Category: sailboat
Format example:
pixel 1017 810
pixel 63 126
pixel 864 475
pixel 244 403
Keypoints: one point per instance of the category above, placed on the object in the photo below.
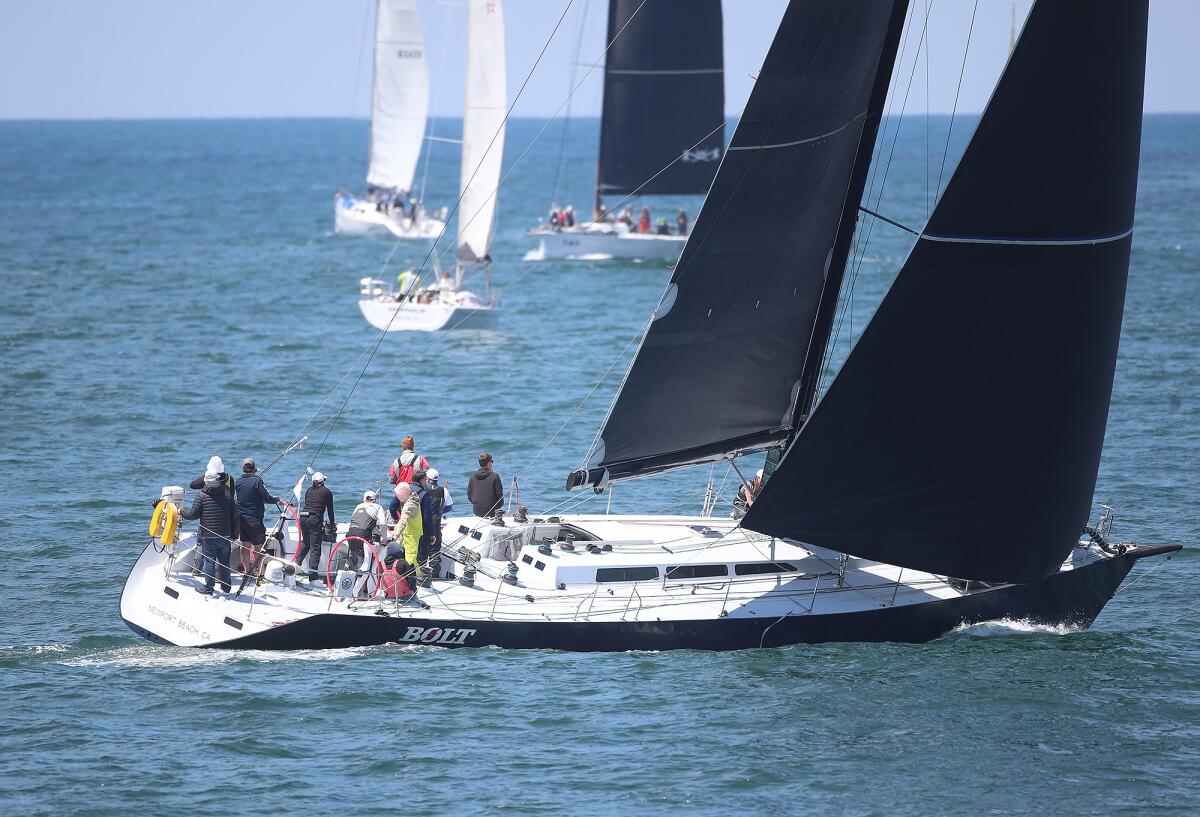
pixel 399 108
pixel 944 477
pixel 443 303
pixel 661 127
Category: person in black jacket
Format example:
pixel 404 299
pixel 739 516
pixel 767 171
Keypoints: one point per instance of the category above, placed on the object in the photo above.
pixel 217 512
pixel 252 498
pixel 318 500
pixel 485 489
pixel 436 495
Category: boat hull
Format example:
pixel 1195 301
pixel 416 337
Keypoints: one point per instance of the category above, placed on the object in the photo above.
pixel 387 314
pixel 359 217
pixel 580 243
pixel 1069 598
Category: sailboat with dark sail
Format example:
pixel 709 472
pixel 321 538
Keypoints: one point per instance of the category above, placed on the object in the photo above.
pixel 907 500
pixel 662 129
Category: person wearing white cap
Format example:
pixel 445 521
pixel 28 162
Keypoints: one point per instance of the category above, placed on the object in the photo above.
pixel 318 500
pixel 214 470
pixel 369 521
pixel 439 500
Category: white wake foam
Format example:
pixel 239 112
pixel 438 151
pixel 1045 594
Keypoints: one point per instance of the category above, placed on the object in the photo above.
pixel 1009 627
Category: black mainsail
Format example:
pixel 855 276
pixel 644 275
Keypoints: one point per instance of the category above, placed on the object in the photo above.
pixel 664 97
pixel 721 368
pixel 963 434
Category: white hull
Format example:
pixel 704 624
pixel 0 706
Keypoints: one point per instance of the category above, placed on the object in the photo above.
pixel 360 217
pixel 448 310
pixel 645 582
pixel 594 243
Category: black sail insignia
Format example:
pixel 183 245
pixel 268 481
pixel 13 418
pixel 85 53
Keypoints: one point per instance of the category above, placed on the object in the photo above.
pixel 720 367
pixel 963 434
pixel 664 97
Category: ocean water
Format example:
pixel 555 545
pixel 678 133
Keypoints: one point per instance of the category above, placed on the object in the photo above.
pixel 173 290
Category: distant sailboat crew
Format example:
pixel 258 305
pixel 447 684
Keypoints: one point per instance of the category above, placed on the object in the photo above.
pixel 445 304
pixel 399 108
pixel 661 125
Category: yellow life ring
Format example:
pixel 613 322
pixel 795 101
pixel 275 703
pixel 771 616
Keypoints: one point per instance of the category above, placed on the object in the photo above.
pixel 170 525
pixel 156 521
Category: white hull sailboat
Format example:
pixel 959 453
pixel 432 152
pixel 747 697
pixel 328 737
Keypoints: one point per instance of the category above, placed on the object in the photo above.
pixel 906 499
pixel 661 127
pixel 446 304
pixel 602 240
pixel 399 111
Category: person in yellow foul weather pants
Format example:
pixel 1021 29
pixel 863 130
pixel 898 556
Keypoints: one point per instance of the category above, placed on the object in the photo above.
pixel 408 529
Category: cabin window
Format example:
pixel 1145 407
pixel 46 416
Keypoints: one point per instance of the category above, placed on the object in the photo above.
pixel 758 568
pixel 626 574
pixel 696 571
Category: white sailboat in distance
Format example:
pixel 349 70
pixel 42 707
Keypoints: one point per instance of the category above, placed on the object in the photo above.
pixel 411 303
pixel 399 109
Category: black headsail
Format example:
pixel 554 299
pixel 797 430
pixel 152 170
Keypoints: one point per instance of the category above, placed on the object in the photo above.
pixel 720 368
pixel 963 434
pixel 664 97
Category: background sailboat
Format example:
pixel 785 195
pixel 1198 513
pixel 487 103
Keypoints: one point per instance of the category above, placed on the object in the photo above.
pixel 662 125
pixel 444 303
pixel 399 109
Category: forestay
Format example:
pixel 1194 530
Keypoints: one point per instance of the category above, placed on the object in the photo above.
pixel 664 97
pixel 400 96
pixel 483 129
pixel 963 434
pixel 719 369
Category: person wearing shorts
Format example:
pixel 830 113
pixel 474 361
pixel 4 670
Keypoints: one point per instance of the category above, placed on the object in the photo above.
pixel 252 497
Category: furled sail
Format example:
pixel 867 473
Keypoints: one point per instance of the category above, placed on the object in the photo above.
pixel 963 434
pixel 483 129
pixel 400 96
pixel 664 97
pixel 720 367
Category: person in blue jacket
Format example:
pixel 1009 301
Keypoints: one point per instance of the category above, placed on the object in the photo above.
pixel 252 498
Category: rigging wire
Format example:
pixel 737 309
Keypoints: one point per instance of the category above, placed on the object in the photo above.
pixel 373 347
pixel 354 95
pixel 437 93
pixel 861 246
pixel 562 144
pixel 961 71
pixel 395 246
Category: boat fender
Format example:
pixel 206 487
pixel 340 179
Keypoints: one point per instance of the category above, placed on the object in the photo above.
pixel 170 525
pixel 156 520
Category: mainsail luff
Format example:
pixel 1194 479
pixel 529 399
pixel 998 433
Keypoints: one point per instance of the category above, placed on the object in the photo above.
pixel 963 434
pixel 719 369
pixel 483 129
pixel 399 96
pixel 661 123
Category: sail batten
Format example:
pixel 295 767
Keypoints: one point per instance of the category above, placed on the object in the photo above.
pixel 662 118
pixel 399 96
pixel 719 373
pixel 962 435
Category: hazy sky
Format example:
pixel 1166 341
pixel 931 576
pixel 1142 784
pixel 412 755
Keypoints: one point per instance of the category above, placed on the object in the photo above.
pixel 247 58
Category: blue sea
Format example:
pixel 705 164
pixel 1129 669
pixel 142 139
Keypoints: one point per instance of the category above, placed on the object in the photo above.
pixel 173 290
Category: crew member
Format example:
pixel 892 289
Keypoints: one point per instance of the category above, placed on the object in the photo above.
pixel 681 223
pixel 369 521
pixel 746 496
pixel 644 220
pixel 437 499
pixel 252 495
pixel 217 512
pixel 404 466
pixel 569 216
pixel 661 227
pixel 408 529
pixel 318 500
pixel 485 489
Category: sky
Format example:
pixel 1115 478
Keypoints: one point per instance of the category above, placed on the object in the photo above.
pixel 122 59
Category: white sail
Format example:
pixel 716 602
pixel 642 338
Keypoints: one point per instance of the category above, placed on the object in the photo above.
pixel 483 128
pixel 400 98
